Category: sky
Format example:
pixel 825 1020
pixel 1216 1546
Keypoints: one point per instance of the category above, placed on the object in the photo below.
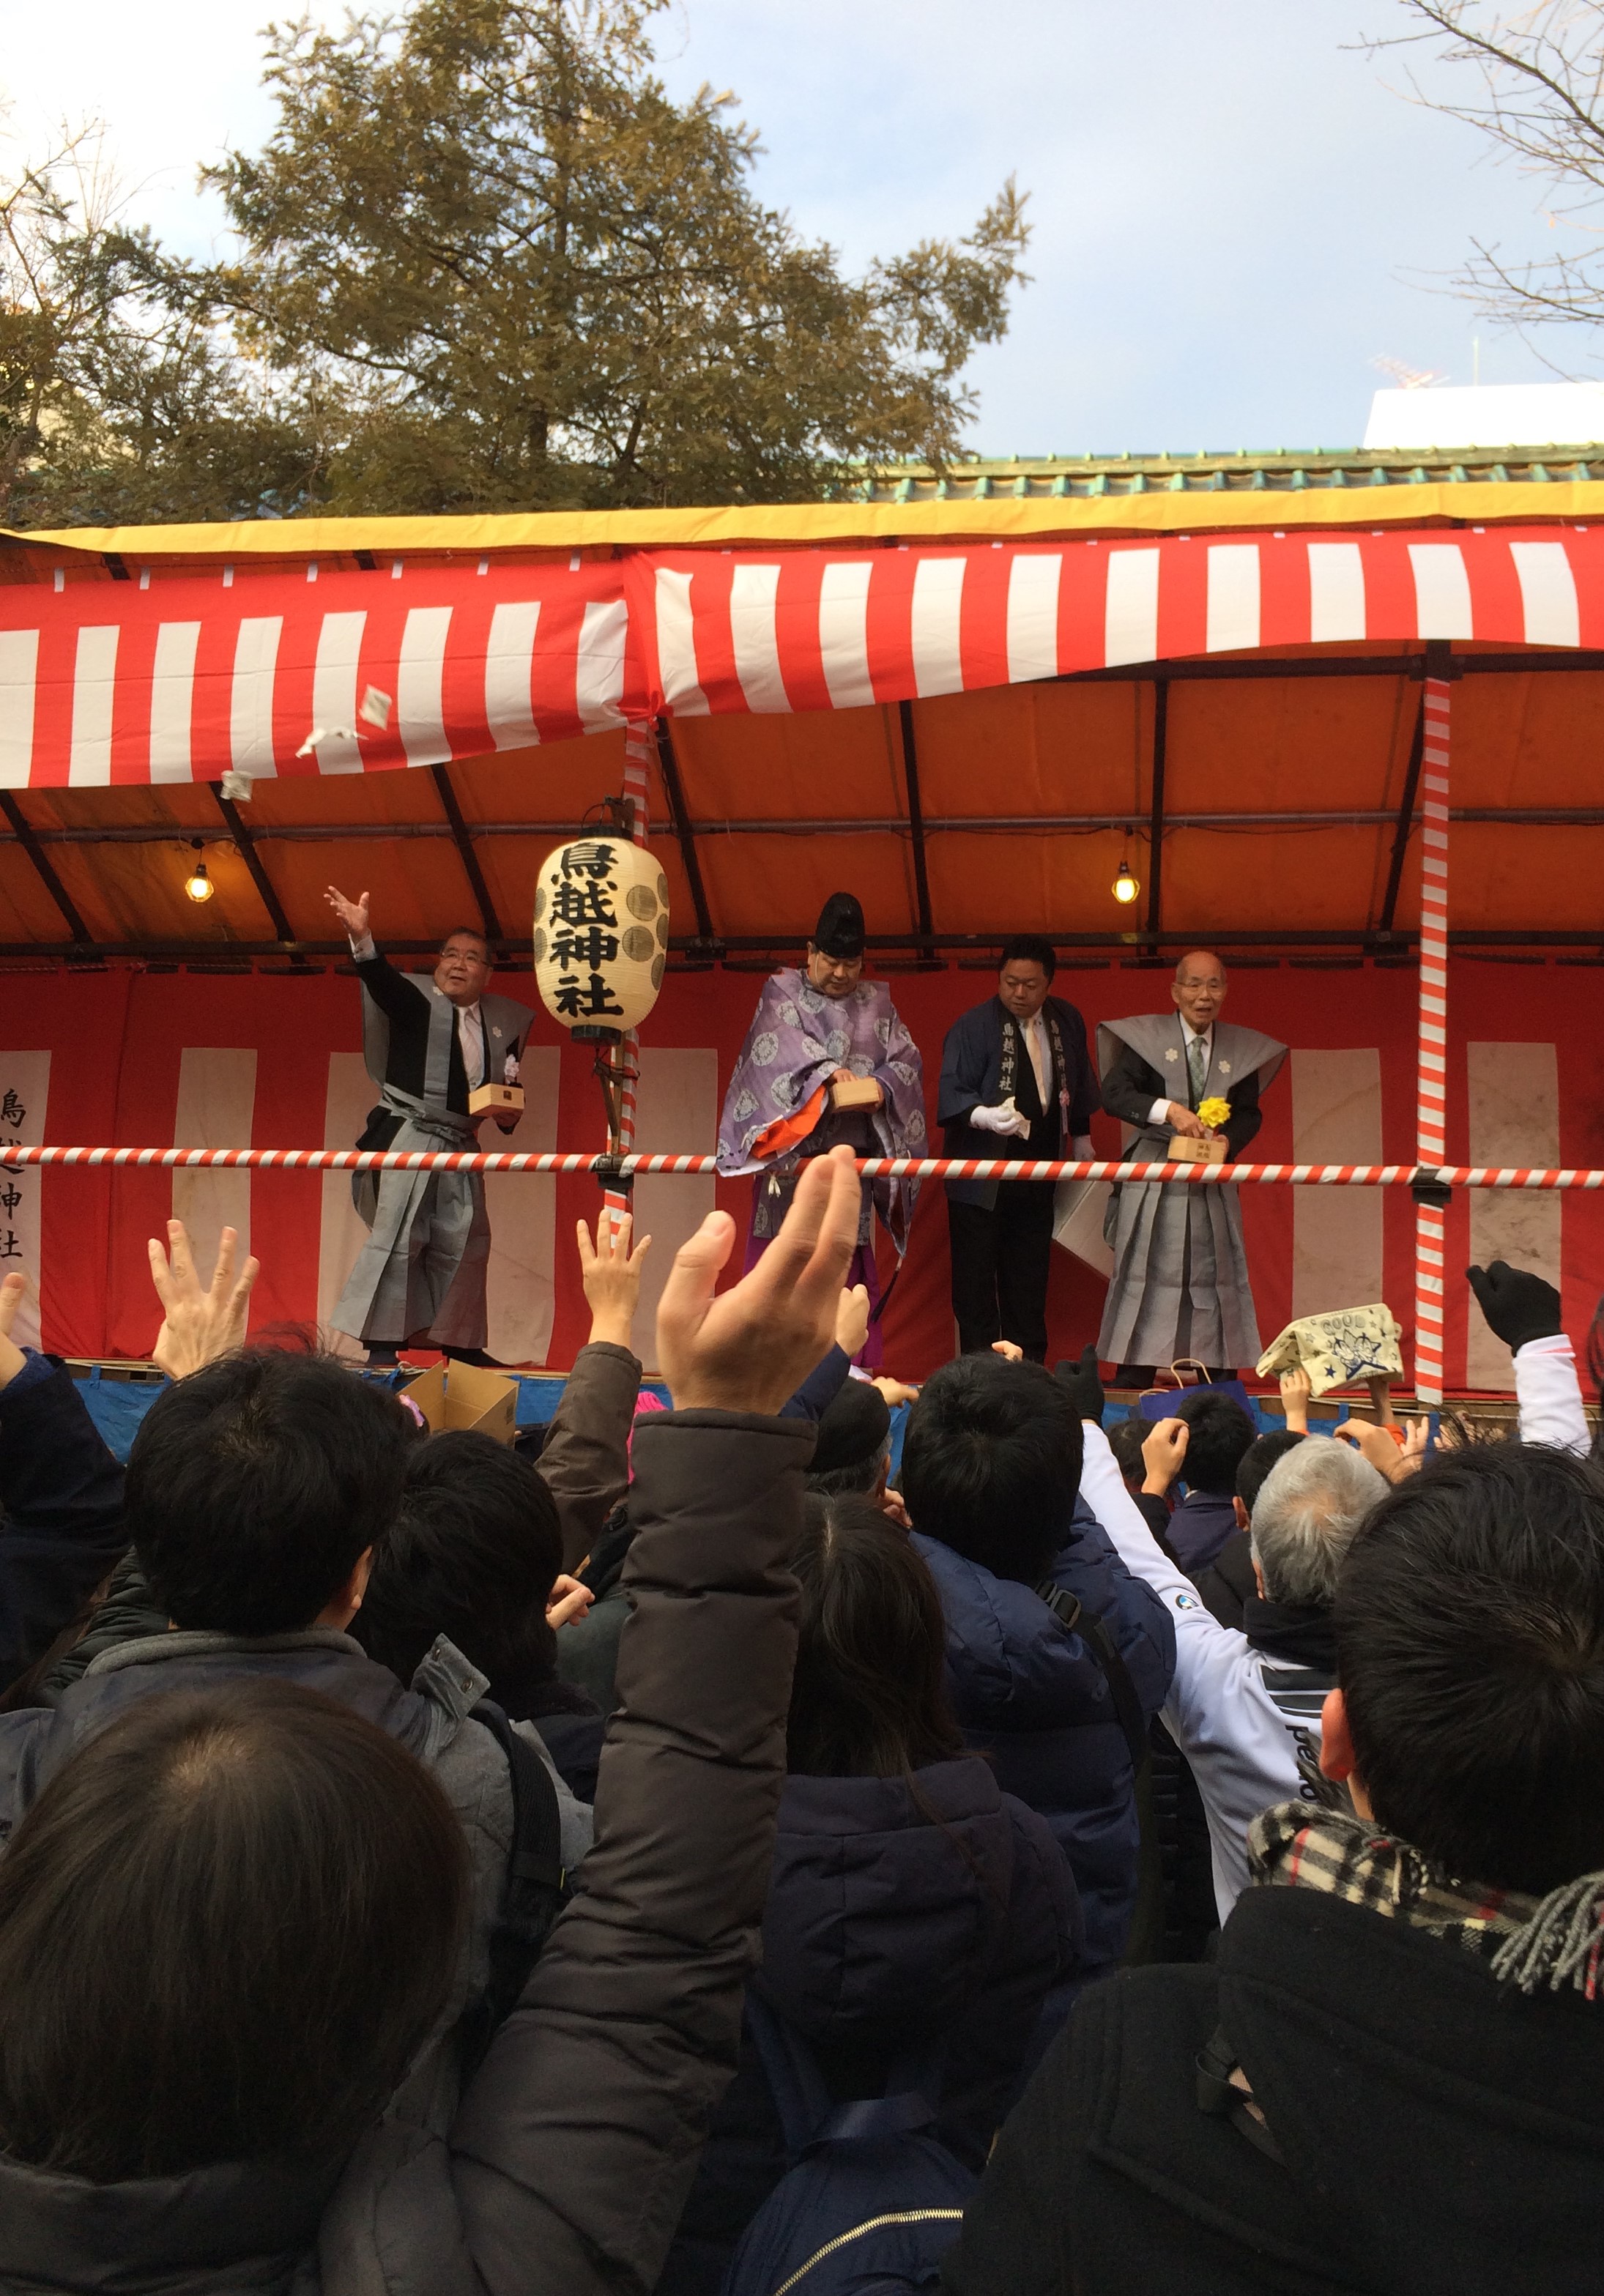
pixel 1234 212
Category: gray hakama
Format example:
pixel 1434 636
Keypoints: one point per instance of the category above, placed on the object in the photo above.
pixel 1180 1282
pixel 423 1267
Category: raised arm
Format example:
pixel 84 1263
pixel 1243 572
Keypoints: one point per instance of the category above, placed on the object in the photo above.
pixel 1522 1309
pixel 584 1462
pixel 391 990
pixel 577 2144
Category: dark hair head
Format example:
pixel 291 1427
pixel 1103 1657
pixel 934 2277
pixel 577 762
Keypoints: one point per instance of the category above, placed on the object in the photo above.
pixel 869 1697
pixel 472 1553
pixel 256 1486
pixel 853 1441
pixel 469 932
pixel 1125 1439
pixel 226 1926
pixel 1469 1621
pixel 1255 1464
pixel 991 1461
pixel 1219 1434
pixel 1029 949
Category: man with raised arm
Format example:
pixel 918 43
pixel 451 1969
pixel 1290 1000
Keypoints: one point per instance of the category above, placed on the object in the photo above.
pixel 1180 1282
pixel 428 1042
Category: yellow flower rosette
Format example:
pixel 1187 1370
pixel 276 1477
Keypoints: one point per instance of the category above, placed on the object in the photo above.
pixel 1213 1114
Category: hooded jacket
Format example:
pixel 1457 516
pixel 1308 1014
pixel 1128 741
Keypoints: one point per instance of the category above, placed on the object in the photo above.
pixel 931 1911
pixel 1437 2130
pixel 568 2159
pixel 1031 1694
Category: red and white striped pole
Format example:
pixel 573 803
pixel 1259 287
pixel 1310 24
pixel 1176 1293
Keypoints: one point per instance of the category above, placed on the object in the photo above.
pixel 1431 1137
pixel 618 1196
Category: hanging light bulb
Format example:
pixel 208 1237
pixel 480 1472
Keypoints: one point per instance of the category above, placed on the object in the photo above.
pixel 1126 886
pixel 198 885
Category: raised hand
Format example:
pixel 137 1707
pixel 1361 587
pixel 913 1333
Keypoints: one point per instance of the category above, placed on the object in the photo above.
pixel 352 915
pixel 1518 1305
pixel 570 1598
pixel 852 1319
pixel 1295 1393
pixel 13 1292
pixel 610 1272
pixel 750 1349
pixel 198 1326
pixel 1163 1455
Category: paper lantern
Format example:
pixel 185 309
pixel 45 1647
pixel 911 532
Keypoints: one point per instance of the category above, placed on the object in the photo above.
pixel 600 933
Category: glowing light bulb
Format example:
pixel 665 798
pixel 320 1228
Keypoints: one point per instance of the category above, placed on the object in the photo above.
pixel 198 885
pixel 1126 886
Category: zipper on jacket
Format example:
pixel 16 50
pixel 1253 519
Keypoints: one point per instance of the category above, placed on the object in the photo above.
pixel 873 2224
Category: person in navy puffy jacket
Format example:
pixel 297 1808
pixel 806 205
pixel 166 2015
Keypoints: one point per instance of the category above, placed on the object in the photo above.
pixel 914 1905
pixel 990 1475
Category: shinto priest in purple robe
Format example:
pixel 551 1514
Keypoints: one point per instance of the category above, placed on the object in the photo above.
pixel 815 1024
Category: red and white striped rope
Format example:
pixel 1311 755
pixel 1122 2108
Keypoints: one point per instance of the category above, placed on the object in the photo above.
pixel 1432 1058
pixel 902 1168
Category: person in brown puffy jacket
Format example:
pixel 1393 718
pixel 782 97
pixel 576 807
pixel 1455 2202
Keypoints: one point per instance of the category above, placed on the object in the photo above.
pixel 153 2133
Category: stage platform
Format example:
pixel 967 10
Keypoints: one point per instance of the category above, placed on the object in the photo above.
pixel 119 1394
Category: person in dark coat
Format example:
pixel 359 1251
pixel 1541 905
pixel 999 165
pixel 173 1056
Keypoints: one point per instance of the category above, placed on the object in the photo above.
pixel 1389 2080
pixel 1219 1435
pixel 1016 1080
pixel 62 1529
pixel 912 1903
pixel 990 1474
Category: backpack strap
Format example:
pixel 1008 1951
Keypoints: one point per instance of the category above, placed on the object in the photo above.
pixel 1145 1939
pixel 534 1894
pixel 1072 1613
pixel 809 2115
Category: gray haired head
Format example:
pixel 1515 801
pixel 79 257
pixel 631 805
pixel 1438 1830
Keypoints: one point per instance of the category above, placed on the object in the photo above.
pixel 1304 1518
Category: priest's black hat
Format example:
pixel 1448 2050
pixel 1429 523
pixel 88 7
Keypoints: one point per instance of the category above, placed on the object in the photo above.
pixel 839 932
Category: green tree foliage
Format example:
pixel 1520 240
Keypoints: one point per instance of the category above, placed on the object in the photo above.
pixel 485 262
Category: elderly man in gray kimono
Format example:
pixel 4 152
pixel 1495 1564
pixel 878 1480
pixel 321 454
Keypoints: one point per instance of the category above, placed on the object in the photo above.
pixel 429 1041
pixel 1180 1282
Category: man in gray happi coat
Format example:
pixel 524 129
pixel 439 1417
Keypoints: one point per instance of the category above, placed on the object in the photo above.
pixel 1180 1282
pixel 428 1042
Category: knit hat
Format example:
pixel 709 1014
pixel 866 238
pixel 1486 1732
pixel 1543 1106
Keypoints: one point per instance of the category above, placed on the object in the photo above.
pixel 854 1428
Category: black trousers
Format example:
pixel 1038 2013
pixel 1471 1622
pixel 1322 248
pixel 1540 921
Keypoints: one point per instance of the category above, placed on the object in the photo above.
pixel 1000 1264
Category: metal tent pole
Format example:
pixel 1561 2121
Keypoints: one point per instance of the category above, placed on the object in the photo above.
pixel 1431 1144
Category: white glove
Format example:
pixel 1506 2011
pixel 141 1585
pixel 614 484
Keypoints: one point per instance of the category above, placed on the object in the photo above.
pixel 1004 1120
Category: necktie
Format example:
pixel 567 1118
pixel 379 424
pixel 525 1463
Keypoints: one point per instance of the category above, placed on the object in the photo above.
pixel 1197 1061
pixel 1035 1036
pixel 471 1037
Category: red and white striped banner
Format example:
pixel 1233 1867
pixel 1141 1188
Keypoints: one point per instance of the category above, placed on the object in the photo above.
pixel 339 671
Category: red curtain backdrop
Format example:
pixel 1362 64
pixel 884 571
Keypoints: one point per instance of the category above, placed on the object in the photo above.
pixel 117 1040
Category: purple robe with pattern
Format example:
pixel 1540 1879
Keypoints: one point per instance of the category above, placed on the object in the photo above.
pixel 797 1038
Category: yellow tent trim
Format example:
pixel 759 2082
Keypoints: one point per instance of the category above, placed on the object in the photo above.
pixel 776 525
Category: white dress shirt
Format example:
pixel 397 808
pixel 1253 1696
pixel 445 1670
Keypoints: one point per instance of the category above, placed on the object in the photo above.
pixel 1041 1058
pixel 1160 1111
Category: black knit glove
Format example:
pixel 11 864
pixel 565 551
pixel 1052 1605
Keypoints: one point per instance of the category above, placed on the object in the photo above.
pixel 1082 1382
pixel 1517 1305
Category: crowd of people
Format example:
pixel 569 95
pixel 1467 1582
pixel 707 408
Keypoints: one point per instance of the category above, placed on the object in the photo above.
pixel 689 1861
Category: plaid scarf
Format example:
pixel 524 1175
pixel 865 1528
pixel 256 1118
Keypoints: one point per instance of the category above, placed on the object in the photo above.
pixel 1528 1942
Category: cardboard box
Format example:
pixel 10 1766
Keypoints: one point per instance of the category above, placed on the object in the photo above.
pixel 461 1395
pixel 1182 1150
pixel 485 1099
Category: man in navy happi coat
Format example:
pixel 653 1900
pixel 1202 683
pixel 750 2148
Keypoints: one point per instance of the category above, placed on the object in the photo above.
pixel 1016 1080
